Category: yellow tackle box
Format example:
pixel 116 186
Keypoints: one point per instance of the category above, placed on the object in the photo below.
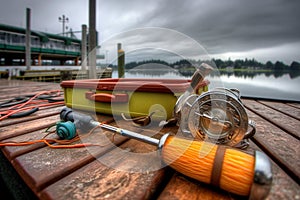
pixel 132 97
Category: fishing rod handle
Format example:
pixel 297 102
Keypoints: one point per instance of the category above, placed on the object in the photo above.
pixel 227 168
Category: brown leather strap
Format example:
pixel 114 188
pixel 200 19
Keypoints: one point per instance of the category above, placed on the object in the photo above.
pixel 217 168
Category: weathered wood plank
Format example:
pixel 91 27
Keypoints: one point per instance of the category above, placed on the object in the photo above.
pixel 75 174
pixel 27 127
pixel 283 147
pixel 118 180
pixel 23 85
pixel 283 186
pixel 284 108
pixel 41 113
pixel 181 187
pixel 4 83
pixel 12 152
pixel 10 89
pixel 287 123
pixel 46 165
pixel 296 105
pixel 21 92
pixel 11 85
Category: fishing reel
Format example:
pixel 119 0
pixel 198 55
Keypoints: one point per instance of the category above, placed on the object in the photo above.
pixel 217 116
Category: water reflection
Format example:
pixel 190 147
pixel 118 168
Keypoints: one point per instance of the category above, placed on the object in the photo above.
pixel 237 73
pixel 154 70
pixel 281 85
pixel 188 73
pixel 163 73
pixel 251 73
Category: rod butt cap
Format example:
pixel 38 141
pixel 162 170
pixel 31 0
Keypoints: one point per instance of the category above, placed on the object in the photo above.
pixel 262 177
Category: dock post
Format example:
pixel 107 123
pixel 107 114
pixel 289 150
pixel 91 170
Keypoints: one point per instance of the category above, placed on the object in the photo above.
pixel 121 61
pixel 83 47
pixel 28 39
pixel 92 39
pixel 39 59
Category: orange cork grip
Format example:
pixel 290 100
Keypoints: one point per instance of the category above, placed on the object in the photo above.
pixel 229 169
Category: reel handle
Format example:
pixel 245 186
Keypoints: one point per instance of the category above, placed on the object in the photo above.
pixel 249 134
pixel 202 71
pixel 244 143
pixel 198 76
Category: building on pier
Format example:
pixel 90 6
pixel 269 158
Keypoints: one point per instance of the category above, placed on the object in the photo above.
pixel 46 48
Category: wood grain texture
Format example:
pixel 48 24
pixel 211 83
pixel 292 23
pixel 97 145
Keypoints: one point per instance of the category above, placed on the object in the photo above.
pixel 123 173
pixel 182 187
pixel 295 105
pixel 282 146
pixel 46 165
pixel 284 108
pixel 13 151
pixel 14 88
pixel 283 186
pixel 285 122
pixel 41 113
pixel 27 127
pixel 129 169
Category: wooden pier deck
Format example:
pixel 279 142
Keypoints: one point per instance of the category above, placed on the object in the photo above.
pixel 60 75
pixel 38 171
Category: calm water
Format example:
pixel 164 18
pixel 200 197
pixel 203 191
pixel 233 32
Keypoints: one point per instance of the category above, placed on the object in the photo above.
pixel 285 86
pixel 279 85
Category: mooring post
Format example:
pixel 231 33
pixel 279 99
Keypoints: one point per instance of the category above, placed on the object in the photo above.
pixel 121 61
pixel 28 40
pixel 92 39
pixel 83 47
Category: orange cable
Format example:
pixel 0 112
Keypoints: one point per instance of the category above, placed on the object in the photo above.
pixel 21 107
pixel 35 96
pixel 61 143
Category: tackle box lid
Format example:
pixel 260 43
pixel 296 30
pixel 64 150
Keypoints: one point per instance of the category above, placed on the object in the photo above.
pixel 132 84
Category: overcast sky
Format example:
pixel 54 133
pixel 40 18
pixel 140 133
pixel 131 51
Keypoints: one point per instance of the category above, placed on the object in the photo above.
pixel 260 29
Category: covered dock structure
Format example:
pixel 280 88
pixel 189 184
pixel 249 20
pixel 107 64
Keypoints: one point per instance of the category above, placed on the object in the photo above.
pixel 46 48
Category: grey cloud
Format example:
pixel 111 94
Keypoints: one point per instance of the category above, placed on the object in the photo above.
pixel 220 26
pixel 233 25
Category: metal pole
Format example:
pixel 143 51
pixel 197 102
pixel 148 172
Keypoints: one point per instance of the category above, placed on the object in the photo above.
pixel 106 57
pixel 121 61
pixel 87 122
pixel 28 40
pixel 92 39
pixel 83 47
pixel 63 25
pixel 64 20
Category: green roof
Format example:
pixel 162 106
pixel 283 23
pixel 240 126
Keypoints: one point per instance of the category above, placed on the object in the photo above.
pixel 44 37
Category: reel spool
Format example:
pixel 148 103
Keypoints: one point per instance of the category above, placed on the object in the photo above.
pixel 217 116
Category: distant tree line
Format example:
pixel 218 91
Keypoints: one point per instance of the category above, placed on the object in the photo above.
pixel 252 63
pixel 221 64
pixel 132 65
